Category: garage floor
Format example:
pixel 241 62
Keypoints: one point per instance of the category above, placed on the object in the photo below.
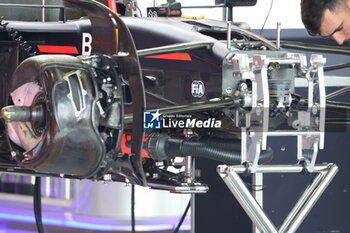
pixel 20 227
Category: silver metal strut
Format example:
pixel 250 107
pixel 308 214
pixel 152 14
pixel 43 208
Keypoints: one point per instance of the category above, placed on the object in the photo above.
pixel 325 174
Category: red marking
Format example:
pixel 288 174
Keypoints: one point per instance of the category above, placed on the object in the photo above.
pixel 173 56
pixel 126 139
pixel 112 5
pixel 101 42
pixel 259 37
pixel 57 49
pixel 175 13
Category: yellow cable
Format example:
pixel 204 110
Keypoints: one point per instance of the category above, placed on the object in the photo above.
pixel 192 17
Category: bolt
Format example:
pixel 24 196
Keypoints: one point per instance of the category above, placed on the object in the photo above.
pixel 107 177
pixel 13 154
pixel 308 75
pixel 315 109
pixel 259 109
pixel 251 133
pixel 159 164
pixel 296 124
pixel 243 87
pixel 317 121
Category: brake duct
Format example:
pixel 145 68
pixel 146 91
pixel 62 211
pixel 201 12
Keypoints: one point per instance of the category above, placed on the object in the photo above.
pixel 63 85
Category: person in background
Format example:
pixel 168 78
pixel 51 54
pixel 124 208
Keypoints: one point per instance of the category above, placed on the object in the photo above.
pixel 327 18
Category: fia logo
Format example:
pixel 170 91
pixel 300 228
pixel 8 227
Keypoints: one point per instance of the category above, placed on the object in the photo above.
pixel 197 88
pixel 151 120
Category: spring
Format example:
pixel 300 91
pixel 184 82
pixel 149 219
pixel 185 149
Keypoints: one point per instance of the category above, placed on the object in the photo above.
pixel 19 39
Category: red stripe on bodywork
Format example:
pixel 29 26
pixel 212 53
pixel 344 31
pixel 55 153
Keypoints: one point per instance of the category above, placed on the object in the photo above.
pixel 57 49
pixel 173 56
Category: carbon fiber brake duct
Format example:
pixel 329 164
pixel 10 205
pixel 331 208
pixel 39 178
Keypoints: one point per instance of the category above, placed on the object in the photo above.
pixel 68 84
pixel 120 45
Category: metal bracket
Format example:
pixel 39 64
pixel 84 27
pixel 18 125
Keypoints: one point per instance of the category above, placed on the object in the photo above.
pixel 239 70
pixel 252 78
pixel 325 174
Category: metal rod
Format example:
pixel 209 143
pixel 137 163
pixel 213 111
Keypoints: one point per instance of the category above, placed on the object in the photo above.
pixel 272 168
pixel 224 14
pixel 287 61
pixel 161 98
pixel 347 104
pixel 337 106
pixel 300 210
pixel 301 202
pixel 174 48
pixel 193 213
pixel 338 121
pixel 190 7
pixel 248 203
pixel 336 109
pixel 188 108
pixel 338 92
pixel 188 169
pixel 188 160
pixel 313 198
pixel 47 186
pixel 67 188
pixel 291 133
pixel 30 6
pixel 258 181
pixel 167 101
pixel 229 31
pixel 193 201
pixel 338 124
pixel 278 36
pixel 43 11
pixel 336 67
pixel 229 13
pixel 315 47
